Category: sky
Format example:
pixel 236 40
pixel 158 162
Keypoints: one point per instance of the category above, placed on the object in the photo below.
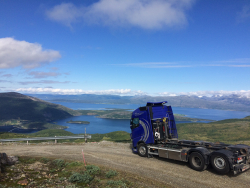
pixel 125 47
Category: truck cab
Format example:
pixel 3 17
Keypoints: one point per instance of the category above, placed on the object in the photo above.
pixel 152 124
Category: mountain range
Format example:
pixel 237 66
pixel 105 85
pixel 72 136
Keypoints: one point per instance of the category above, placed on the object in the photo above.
pixel 227 102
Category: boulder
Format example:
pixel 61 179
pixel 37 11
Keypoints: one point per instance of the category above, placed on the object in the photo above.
pixel 5 160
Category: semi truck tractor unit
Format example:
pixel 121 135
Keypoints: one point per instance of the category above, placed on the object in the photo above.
pixel 154 133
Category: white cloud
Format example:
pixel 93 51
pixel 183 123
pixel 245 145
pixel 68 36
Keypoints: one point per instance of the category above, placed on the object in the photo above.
pixel 243 62
pixel 44 82
pixel 242 93
pixel 244 14
pixel 5 81
pixel 65 13
pixel 129 92
pixel 14 53
pixel 37 74
pixel 154 65
pixel 80 91
pixel 146 14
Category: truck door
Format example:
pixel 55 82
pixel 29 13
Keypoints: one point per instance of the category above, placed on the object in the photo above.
pixel 137 130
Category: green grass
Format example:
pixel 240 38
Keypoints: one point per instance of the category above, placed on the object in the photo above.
pixel 51 132
pixel 229 130
pixel 118 136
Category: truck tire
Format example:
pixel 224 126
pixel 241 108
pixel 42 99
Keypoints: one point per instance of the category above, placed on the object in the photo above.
pixel 197 161
pixel 142 150
pixel 220 163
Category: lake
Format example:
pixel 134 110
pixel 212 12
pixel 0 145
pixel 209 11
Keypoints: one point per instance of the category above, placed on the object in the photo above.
pixel 99 125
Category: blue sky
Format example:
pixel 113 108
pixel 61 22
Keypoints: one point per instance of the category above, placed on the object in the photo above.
pixel 125 47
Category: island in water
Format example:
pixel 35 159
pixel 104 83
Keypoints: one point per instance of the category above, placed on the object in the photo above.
pixel 78 122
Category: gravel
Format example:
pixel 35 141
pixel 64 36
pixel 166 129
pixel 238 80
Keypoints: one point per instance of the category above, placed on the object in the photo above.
pixel 119 156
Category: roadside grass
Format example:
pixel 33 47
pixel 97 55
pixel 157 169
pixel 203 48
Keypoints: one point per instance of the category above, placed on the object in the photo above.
pixel 117 136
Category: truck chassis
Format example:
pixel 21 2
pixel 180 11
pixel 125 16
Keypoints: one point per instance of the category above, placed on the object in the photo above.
pixel 222 157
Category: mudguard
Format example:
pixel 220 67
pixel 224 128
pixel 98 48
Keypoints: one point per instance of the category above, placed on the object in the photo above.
pixel 226 153
pixel 203 151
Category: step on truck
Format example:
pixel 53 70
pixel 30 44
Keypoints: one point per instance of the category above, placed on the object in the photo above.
pixel 154 133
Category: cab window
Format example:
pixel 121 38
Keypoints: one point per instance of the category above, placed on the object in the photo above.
pixel 134 123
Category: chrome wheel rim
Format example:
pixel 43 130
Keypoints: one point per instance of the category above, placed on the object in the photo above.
pixel 142 150
pixel 219 162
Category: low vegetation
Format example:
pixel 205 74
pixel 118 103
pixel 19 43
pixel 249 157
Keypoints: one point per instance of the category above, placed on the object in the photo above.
pixel 117 136
pixel 228 131
pixel 44 172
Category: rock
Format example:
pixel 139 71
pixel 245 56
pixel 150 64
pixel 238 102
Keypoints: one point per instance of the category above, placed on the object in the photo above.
pixel 3 159
pixel 12 160
pixel 37 166
pixel 23 182
pixel 23 176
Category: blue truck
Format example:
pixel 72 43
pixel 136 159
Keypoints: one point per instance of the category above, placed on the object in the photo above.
pixel 154 133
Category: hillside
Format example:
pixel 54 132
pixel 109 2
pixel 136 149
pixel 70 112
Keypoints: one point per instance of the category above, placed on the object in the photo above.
pixel 228 131
pixel 31 112
pixel 18 106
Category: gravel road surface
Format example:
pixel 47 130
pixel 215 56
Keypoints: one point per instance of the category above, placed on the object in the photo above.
pixel 119 156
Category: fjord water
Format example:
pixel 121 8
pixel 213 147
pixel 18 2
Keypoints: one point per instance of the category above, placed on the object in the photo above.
pixel 99 125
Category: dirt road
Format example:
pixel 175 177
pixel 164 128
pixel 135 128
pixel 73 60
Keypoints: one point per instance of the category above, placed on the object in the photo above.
pixel 119 156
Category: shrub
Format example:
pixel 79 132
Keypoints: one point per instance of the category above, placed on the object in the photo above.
pixel 111 173
pixel 117 184
pixel 73 164
pixel 79 178
pixel 59 163
pixel 93 170
pixel 53 170
pixel 44 160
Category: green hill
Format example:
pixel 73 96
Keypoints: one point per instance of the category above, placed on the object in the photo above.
pixel 18 106
pixel 228 130
pixel 30 112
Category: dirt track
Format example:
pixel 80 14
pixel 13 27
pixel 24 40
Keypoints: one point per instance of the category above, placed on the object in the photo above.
pixel 119 156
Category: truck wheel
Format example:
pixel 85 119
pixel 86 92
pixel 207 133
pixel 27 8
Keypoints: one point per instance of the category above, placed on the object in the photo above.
pixel 142 150
pixel 197 161
pixel 220 163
